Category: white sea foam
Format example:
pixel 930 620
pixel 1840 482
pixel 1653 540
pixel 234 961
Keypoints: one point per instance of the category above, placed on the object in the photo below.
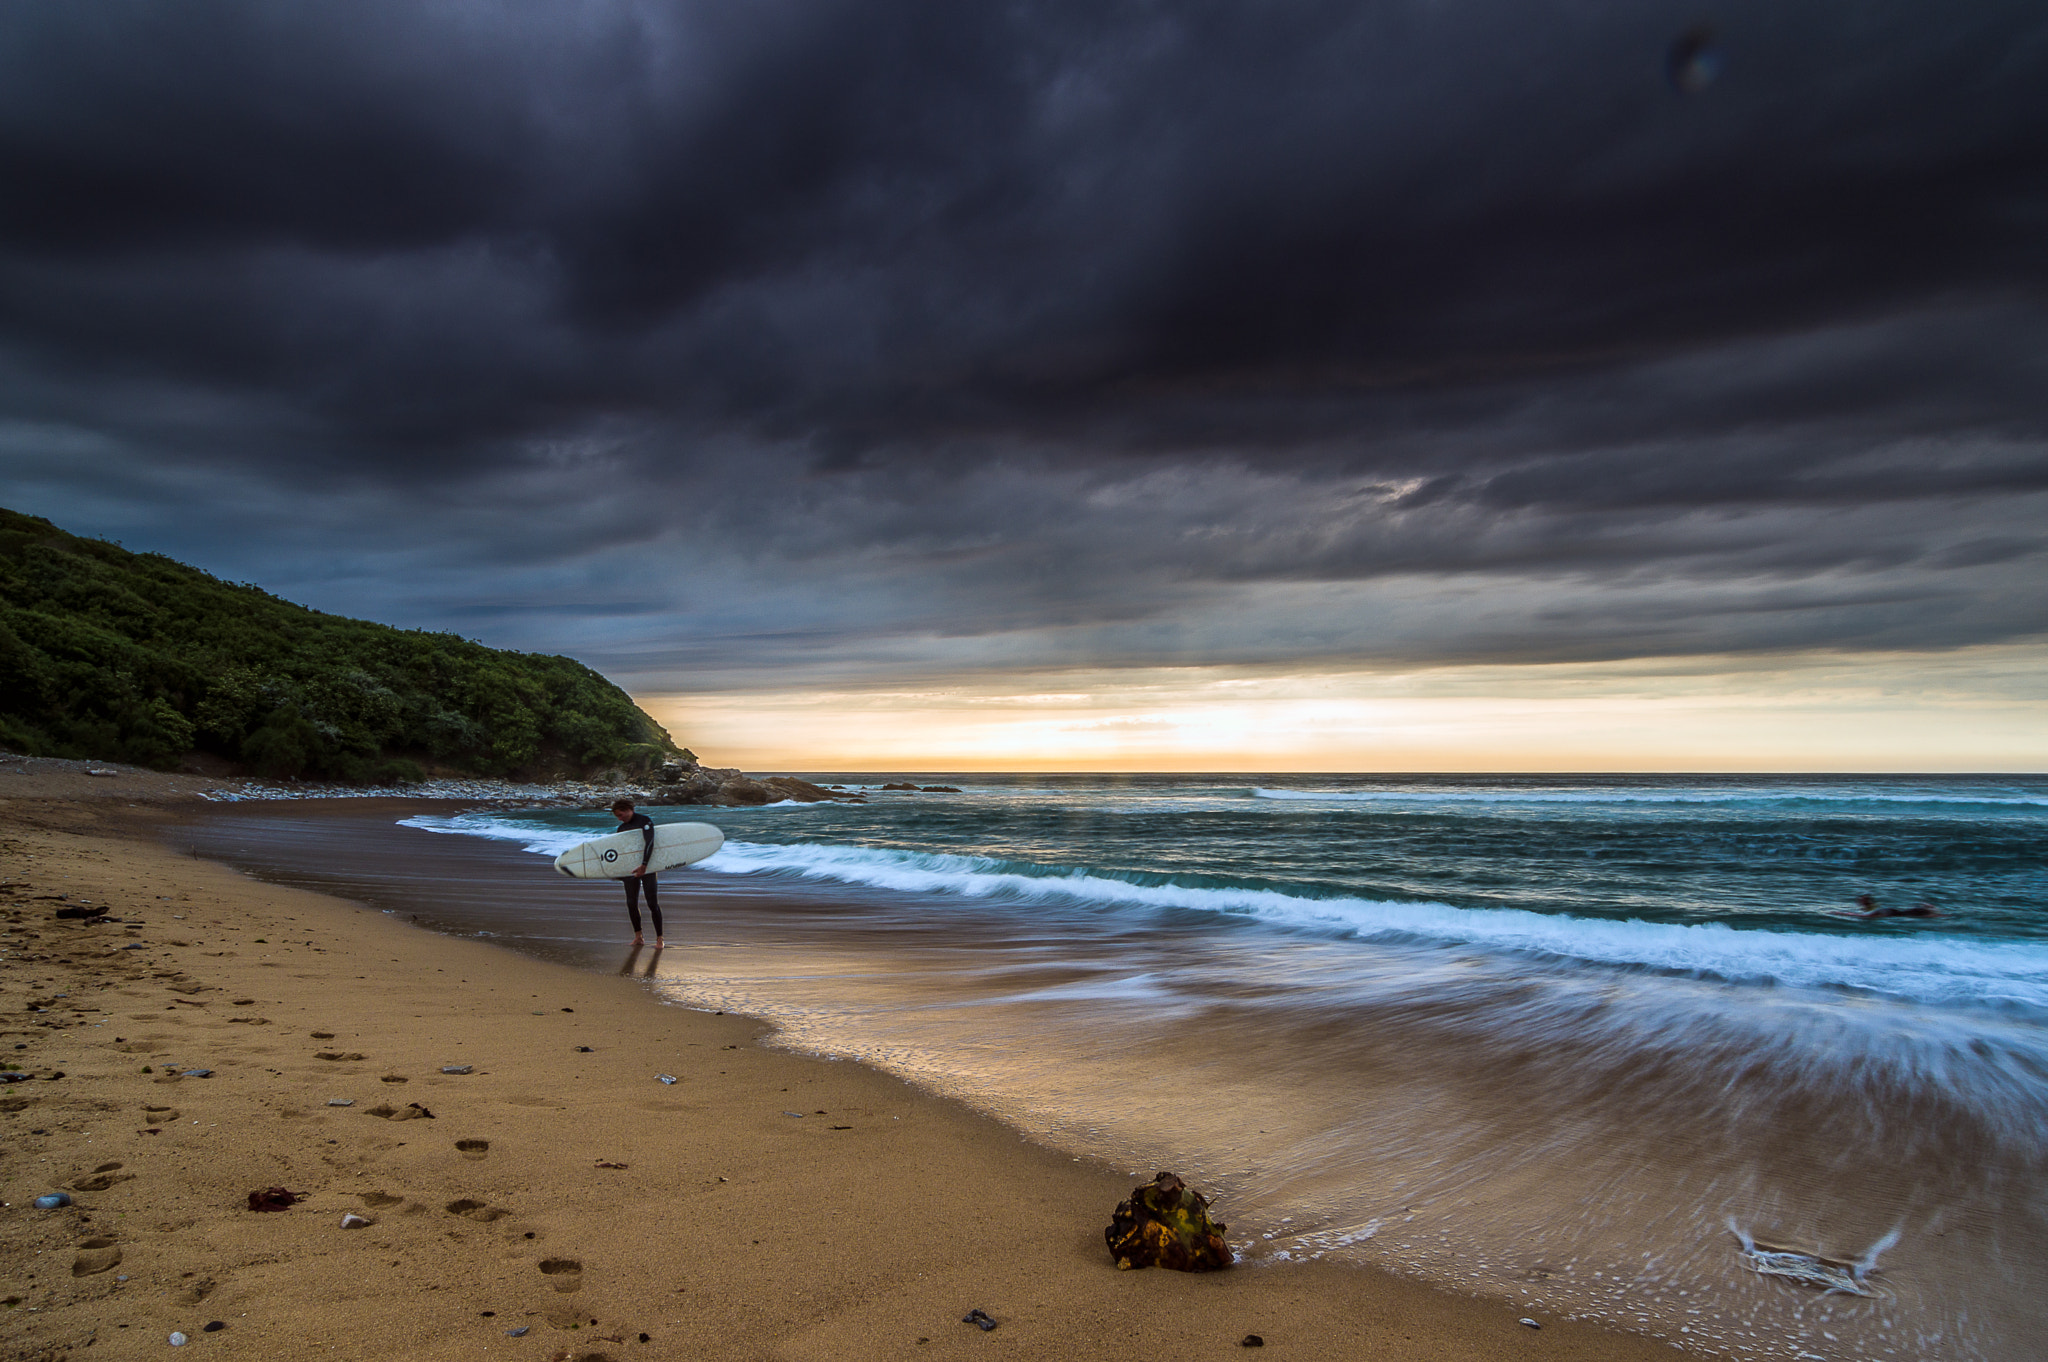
pixel 1924 968
pixel 540 840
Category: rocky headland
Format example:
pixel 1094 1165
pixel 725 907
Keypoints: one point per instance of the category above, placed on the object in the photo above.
pixel 687 782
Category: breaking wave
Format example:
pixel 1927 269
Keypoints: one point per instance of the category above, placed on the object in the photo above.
pixel 1924 968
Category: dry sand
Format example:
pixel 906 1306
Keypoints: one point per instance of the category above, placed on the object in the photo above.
pixel 768 1205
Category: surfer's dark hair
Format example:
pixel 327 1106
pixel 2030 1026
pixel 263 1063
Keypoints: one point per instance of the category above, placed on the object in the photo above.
pixel 622 803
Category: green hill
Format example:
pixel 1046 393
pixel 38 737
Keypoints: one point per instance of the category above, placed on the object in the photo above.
pixel 119 656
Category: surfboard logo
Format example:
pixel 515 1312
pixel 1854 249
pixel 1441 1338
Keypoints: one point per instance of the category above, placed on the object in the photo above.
pixel 616 856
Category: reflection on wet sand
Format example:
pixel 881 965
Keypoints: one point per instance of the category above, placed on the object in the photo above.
pixel 633 954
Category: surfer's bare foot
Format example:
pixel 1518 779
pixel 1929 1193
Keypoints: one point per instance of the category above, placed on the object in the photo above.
pixel 659 944
pixel 637 941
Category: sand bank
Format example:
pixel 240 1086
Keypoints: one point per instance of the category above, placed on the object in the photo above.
pixel 768 1206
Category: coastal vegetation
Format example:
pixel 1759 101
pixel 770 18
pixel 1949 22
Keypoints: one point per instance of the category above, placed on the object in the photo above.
pixel 118 656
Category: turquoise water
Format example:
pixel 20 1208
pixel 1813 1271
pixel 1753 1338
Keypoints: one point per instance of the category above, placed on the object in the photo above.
pixel 1544 1038
pixel 1583 867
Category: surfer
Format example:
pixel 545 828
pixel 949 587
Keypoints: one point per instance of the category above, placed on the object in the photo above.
pixel 622 809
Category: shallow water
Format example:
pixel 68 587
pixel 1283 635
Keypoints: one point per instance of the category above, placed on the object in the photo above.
pixel 1540 1038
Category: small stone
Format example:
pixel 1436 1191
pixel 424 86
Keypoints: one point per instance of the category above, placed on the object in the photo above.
pixel 1251 1341
pixel 352 1221
pixel 214 1326
pixel 979 1319
pixel 520 1332
pixel 1531 1323
pixel 53 1201
pixel 457 1068
pixel 666 1078
pixel 341 1101
pixel 177 1340
pixel 197 1073
pixel 274 1199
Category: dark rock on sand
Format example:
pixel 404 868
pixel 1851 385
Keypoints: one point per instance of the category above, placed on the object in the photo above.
pixel 1166 1224
pixel 273 1199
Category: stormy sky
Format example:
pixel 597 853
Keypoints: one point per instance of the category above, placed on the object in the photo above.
pixel 891 346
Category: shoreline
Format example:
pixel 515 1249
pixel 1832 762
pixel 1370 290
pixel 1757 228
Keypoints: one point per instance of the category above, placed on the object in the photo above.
pixel 821 1242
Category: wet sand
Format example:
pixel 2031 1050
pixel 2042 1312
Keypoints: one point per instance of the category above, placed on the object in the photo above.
pixel 864 1225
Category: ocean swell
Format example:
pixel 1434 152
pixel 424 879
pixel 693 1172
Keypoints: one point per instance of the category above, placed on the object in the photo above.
pixel 1922 968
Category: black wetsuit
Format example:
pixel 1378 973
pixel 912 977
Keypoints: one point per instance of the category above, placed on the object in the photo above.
pixel 635 883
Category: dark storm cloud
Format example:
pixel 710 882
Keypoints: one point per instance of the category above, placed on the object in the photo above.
pixel 904 321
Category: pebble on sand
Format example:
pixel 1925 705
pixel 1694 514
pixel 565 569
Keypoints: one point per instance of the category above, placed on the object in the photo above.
pixel 177 1340
pixel 341 1101
pixel 52 1201
pixel 666 1078
pixel 457 1068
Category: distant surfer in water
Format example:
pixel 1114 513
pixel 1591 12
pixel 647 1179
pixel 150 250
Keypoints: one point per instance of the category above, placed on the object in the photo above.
pixel 642 877
pixel 1868 904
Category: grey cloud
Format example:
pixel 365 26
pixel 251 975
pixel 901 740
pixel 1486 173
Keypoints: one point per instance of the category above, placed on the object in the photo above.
pixel 845 335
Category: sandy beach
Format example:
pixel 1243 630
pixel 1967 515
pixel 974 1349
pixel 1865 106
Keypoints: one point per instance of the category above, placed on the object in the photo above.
pixel 561 1201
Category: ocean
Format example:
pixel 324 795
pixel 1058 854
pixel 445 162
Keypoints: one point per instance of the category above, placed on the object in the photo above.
pixel 1555 1040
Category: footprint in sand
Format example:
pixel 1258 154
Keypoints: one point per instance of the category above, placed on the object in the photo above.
pixel 477 1210
pixel 473 1149
pixel 340 1055
pixel 565 1274
pixel 411 1111
pixel 158 1116
pixel 94 1255
pixel 101 1178
pixel 196 1292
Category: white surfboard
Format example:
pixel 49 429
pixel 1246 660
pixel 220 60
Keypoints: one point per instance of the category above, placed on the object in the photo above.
pixel 616 856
